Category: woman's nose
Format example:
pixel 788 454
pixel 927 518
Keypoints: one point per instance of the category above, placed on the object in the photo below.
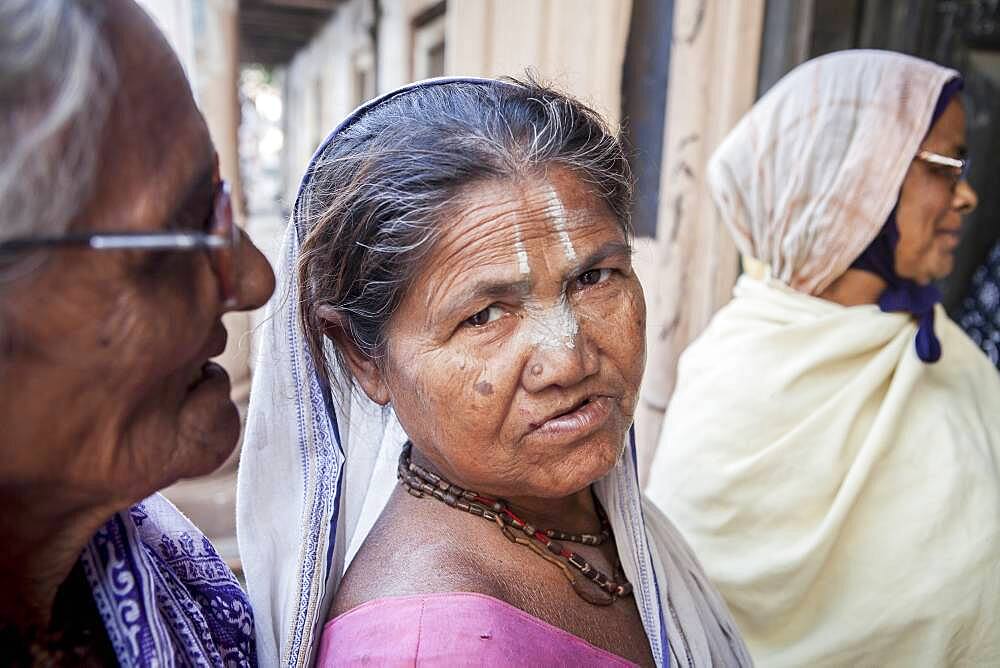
pixel 563 365
pixel 255 282
pixel 965 199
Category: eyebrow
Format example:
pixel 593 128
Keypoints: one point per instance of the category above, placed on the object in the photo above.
pixel 497 290
pixel 487 290
pixel 603 252
pixel 200 184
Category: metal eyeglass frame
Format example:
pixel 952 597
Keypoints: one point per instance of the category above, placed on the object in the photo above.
pixel 959 166
pixel 222 241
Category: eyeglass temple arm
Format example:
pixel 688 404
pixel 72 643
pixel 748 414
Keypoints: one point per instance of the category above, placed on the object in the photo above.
pixel 942 160
pixel 122 241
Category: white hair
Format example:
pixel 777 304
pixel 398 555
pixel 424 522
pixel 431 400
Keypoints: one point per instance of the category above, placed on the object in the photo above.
pixel 57 80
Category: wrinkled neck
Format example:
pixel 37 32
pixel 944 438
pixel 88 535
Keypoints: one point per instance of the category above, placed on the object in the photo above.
pixel 575 513
pixel 572 514
pixel 42 535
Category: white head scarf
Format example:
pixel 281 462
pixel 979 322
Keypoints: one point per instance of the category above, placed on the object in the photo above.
pixel 318 467
pixel 806 180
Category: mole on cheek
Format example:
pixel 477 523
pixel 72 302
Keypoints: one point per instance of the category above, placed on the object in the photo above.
pixel 484 388
pixel 536 370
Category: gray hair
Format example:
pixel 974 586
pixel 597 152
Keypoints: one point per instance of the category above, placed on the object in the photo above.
pixel 57 79
pixel 378 196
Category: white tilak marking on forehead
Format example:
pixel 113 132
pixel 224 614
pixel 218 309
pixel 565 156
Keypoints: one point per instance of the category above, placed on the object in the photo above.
pixel 559 219
pixel 552 327
pixel 522 253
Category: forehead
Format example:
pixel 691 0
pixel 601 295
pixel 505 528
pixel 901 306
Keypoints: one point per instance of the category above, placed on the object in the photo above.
pixel 489 218
pixel 157 147
pixel 949 129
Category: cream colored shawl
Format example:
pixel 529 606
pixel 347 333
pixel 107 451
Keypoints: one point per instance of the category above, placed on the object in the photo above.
pixel 842 495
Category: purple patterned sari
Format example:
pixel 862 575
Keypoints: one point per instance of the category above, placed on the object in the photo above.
pixel 165 595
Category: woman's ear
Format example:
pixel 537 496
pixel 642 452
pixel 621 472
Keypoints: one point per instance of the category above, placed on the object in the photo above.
pixel 362 367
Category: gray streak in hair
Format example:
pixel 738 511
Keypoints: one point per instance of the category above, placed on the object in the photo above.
pixel 57 79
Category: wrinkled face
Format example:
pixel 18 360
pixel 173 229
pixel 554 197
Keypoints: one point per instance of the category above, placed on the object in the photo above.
pixel 515 359
pixel 932 203
pixel 109 348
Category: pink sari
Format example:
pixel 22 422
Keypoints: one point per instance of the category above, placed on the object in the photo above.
pixel 453 629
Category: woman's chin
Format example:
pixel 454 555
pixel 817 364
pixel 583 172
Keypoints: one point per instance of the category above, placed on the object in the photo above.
pixel 594 461
pixel 209 425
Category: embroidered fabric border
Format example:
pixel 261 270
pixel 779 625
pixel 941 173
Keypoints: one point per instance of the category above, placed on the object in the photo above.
pixel 165 595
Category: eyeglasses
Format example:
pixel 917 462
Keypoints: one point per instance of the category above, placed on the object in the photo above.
pixel 221 239
pixel 957 169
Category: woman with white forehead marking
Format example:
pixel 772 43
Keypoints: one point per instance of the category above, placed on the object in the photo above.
pixel 831 450
pixel 462 314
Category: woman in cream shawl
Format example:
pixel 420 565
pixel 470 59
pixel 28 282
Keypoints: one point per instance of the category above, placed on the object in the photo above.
pixel 831 448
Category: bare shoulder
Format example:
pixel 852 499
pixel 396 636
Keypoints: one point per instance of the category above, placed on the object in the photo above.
pixel 415 547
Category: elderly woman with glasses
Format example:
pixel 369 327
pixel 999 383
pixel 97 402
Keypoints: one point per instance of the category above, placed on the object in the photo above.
pixel 832 449
pixel 118 258
pixel 438 467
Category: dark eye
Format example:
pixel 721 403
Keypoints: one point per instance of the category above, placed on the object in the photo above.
pixel 208 218
pixel 198 214
pixel 594 276
pixel 947 172
pixel 486 316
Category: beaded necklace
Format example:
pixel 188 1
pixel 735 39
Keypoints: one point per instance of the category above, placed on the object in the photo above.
pixel 421 483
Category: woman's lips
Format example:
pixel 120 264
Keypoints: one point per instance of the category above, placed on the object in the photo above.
pixel 950 237
pixel 207 372
pixel 582 421
pixel 217 344
pixel 208 369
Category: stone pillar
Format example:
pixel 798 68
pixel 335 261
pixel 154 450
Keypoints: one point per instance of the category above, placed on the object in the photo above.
pixel 713 82
pixel 216 82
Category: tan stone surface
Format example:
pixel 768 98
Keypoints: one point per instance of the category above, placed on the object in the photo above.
pixel 713 80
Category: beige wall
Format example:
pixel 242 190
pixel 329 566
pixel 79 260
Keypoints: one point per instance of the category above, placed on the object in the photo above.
pixel 395 40
pixel 320 85
pixel 577 44
pixel 713 81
